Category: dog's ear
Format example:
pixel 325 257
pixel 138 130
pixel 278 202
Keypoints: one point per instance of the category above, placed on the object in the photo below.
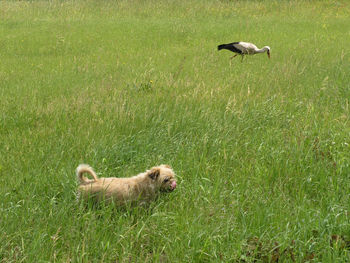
pixel 167 166
pixel 154 173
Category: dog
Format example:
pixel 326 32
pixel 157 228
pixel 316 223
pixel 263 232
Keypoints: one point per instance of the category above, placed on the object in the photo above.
pixel 140 189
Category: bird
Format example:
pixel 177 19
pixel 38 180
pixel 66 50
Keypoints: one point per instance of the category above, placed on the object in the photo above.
pixel 244 48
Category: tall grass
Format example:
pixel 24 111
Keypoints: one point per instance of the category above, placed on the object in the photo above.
pixel 261 148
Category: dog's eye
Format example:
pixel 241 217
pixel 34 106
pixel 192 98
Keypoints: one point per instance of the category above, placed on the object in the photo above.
pixel 166 180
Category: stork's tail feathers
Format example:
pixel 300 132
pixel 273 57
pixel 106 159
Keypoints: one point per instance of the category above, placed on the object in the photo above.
pixel 84 168
pixel 221 46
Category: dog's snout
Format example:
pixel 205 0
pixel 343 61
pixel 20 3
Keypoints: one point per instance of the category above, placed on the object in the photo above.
pixel 173 185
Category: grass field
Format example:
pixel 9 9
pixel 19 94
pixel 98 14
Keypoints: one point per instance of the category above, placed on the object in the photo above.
pixel 261 148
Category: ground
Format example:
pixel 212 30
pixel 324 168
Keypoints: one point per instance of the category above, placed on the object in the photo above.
pixel 261 148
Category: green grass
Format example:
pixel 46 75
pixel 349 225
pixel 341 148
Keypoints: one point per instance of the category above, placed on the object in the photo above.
pixel 261 148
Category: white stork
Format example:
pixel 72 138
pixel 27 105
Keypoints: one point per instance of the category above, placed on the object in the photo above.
pixel 244 48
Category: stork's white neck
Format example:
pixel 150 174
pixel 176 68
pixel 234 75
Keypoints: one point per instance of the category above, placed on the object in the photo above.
pixel 262 50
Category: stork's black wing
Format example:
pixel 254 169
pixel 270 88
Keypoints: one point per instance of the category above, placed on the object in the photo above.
pixel 230 47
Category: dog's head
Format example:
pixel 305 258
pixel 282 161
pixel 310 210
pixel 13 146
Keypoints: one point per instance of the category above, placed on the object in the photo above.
pixel 164 177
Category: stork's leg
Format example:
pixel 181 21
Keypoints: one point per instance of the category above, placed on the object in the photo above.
pixel 234 56
pixel 242 58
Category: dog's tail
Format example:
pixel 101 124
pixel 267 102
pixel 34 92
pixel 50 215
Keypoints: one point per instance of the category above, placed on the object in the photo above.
pixel 84 168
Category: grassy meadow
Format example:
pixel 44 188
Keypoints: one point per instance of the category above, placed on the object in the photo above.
pixel 261 148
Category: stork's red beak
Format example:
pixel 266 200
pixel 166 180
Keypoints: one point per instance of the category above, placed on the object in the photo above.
pixel 268 54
